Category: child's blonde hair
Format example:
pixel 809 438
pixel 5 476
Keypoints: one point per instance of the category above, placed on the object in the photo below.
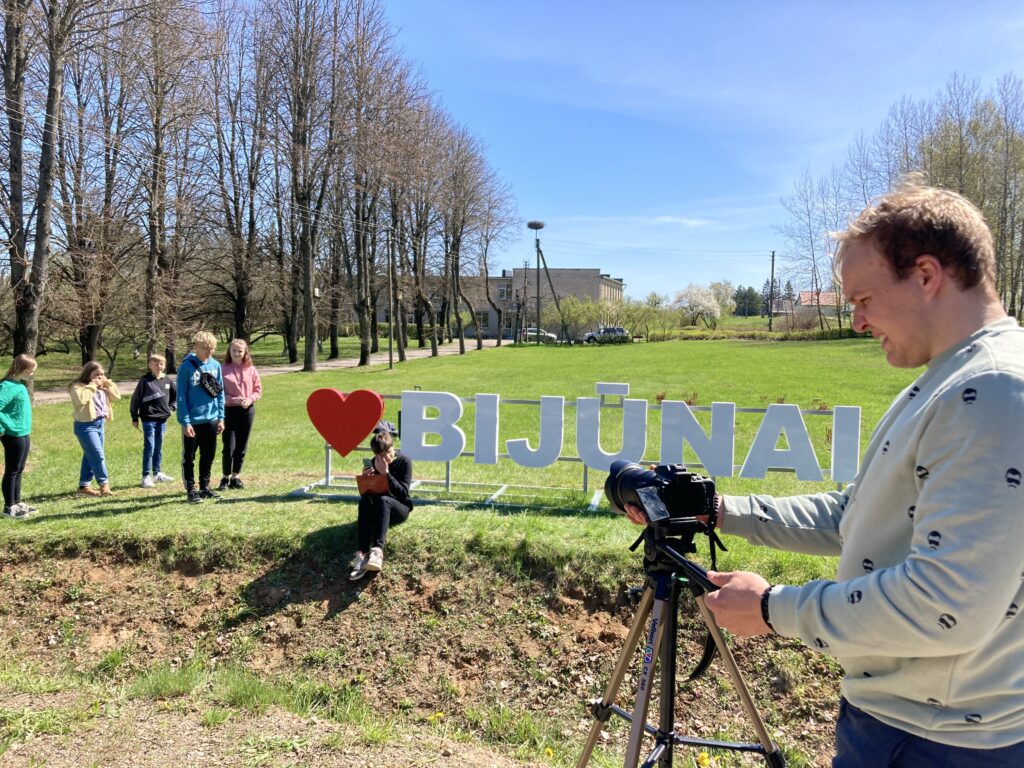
pixel 204 338
pixel 19 365
pixel 158 358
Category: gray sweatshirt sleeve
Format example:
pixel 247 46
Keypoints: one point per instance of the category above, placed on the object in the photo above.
pixel 808 524
pixel 965 563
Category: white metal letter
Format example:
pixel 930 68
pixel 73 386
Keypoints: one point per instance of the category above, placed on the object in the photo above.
pixel 416 425
pixel 549 447
pixel 485 440
pixel 782 419
pixel 845 443
pixel 715 452
pixel 588 432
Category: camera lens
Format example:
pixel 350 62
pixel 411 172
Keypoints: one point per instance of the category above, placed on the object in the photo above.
pixel 624 478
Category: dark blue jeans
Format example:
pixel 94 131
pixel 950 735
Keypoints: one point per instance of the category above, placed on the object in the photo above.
pixel 152 446
pixel 94 463
pixel 864 742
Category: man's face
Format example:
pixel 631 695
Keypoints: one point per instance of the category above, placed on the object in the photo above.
pixel 891 309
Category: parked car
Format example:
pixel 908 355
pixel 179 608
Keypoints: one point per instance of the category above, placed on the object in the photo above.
pixel 531 334
pixel 608 334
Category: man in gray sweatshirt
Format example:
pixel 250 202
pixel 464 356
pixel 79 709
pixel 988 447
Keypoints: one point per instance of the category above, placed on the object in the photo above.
pixel 924 612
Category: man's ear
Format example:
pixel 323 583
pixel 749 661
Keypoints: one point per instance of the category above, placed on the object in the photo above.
pixel 930 274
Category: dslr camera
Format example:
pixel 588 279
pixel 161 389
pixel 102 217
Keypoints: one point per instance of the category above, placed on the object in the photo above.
pixel 666 493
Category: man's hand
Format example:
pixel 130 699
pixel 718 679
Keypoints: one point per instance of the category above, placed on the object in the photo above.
pixel 737 602
pixel 188 431
pixel 136 425
pixel 220 426
pixel 636 514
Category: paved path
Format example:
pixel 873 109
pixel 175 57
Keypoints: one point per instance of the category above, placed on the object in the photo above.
pixel 45 396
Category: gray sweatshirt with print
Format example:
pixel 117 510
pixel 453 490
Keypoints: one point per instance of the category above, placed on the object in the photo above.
pixel 924 611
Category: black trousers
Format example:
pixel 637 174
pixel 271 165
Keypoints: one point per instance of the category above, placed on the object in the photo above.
pixel 205 442
pixel 235 437
pixel 15 456
pixel 376 515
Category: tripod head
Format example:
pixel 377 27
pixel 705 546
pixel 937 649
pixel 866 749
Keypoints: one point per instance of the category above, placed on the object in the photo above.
pixel 666 545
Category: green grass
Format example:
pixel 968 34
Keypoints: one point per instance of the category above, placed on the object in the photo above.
pixel 286 453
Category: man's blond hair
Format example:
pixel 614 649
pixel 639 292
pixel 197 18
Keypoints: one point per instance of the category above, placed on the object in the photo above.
pixel 916 220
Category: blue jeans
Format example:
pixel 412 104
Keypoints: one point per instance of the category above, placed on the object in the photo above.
pixel 864 742
pixel 94 464
pixel 152 446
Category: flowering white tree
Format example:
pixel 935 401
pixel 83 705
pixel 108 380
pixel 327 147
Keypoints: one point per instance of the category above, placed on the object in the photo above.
pixel 697 302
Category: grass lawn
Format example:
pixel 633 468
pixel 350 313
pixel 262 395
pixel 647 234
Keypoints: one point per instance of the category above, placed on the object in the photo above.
pixel 263 541
pixel 286 452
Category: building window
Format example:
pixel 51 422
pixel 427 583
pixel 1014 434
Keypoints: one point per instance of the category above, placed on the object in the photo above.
pixel 505 291
pixel 482 318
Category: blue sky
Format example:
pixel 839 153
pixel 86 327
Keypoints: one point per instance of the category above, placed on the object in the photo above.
pixel 655 139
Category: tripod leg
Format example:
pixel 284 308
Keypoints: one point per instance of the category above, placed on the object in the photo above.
pixel 747 702
pixel 626 655
pixel 643 692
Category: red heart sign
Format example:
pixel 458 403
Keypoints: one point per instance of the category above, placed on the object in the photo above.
pixel 344 420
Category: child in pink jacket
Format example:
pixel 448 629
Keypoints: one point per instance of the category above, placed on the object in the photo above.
pixel 241 391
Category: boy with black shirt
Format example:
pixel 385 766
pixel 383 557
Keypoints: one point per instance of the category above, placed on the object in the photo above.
pixel 153 402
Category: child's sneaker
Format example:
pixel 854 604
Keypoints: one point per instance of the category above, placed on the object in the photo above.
pixel 194 497
pixel 225 483
pixel 375 560
pixel 25 508
pixel 236 484
pixel 358 567
pixel 15 512
pixel 160 477
pixel 87 490
pixel 147 481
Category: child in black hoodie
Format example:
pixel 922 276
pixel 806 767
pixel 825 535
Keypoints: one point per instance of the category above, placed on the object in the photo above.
pixel 153 402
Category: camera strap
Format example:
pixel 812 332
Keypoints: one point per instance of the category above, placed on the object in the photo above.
pixel 710 649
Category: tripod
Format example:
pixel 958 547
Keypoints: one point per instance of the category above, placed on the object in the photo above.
pixel 667 571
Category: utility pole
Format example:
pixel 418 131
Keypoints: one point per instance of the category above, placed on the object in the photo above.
pixel 537 226
pixel 771 294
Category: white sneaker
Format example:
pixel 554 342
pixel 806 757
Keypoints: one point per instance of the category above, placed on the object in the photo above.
pixel 147 481
pixel 160 477
pixel 375 560
pixel 26 508
pixel 15 511
pixel 358 567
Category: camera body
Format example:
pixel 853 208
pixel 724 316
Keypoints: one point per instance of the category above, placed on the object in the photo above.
pixel 666 493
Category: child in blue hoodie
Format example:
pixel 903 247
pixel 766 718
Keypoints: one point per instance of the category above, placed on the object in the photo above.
pixel 200 413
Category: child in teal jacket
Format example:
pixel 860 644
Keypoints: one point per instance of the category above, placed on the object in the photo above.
pixel 16 424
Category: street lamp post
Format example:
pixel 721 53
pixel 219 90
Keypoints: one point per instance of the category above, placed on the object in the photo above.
pixel 537 226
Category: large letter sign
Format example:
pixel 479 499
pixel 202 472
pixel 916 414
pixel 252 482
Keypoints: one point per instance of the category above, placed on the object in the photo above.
pixel 431 432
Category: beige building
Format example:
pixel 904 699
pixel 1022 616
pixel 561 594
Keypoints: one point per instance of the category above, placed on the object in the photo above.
pixel 518 287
